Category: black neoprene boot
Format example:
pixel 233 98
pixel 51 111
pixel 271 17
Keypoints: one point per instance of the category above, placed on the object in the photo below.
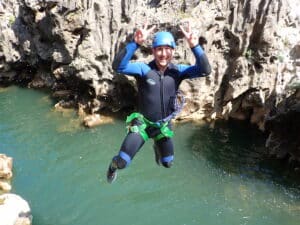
pixel 111 174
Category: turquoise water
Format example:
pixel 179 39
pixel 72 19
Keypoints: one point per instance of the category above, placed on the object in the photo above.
pixel 220 176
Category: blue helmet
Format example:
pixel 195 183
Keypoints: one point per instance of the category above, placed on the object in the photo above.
pixel 163 38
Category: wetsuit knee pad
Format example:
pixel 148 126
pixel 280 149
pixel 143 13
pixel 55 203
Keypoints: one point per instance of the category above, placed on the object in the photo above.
pixel 167 164
pixel 118 162
pixel 121 160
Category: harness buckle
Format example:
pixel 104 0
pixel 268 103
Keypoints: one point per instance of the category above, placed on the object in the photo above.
pixel 158 124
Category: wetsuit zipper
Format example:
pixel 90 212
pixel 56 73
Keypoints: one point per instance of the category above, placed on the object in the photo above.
pixel 162 94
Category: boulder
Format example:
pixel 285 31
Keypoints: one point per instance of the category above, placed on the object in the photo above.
pixel 94 120
pixel 5 172
pixel 5 186
pixel 5 166
pixel 14 210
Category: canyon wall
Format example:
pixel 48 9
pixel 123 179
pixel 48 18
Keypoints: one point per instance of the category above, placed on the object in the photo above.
pixel 253 46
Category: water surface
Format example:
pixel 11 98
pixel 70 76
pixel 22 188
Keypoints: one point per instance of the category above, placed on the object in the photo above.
pixel 221 175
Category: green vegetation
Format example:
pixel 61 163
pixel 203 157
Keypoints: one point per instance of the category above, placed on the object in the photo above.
pixel 280 58
pixel 249 54
pixel 11 20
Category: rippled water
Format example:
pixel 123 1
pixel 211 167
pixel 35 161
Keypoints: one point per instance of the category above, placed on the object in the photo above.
pixel 220 175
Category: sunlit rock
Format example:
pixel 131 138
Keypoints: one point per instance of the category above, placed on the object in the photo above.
pixel 14 210
pixel 5 172
pixel 95 120
pixel 5 186
pixel 5 166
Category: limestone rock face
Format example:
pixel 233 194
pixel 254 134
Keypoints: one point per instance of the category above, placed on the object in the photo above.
pixel 5 172
pixel 253 47
pixel 14 210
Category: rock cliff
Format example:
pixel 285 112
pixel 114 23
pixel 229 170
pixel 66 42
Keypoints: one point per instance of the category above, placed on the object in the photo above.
pixel 253 46
pixel 5 173
pixel 14 210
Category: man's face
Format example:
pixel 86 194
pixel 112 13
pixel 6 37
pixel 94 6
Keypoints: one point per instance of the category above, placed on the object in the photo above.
pixel 162 55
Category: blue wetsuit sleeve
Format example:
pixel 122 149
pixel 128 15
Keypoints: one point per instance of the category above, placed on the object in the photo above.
pixel 122 64
pixel 202 67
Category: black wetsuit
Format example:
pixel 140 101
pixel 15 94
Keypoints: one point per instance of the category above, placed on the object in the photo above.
pixel 156 95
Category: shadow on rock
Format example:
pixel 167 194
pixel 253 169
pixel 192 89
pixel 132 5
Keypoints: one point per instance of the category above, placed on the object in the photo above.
pixel 238 148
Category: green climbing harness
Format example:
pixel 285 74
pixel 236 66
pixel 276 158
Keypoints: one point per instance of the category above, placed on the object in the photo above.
pixel 165 131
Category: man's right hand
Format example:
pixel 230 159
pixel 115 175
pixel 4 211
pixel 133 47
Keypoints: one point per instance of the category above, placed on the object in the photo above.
pixel 190 36
pixel 141 34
